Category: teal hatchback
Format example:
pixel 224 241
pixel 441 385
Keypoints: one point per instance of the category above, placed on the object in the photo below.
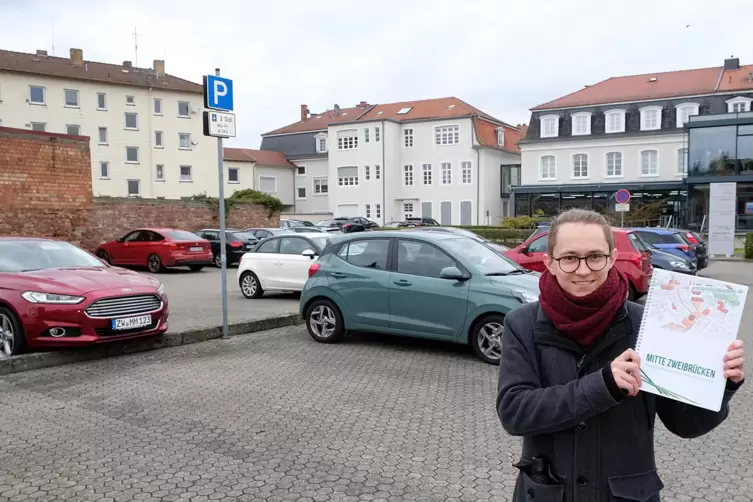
pixel 422 284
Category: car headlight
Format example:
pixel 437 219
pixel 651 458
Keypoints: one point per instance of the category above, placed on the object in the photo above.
pixel 679 264
pixel 525 296
pixel 161 289
pixel 38 297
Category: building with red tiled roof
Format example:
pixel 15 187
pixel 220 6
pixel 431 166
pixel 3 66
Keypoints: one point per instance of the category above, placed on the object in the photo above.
pixel 652 134
pixel 262 170
pixel 144 124
pixel 440 158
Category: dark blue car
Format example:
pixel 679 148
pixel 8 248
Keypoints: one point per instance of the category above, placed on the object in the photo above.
pixel 668 240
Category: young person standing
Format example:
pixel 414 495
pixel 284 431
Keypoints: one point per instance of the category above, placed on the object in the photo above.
pixel 569 379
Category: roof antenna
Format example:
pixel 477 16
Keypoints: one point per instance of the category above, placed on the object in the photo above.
pixel 53 37
pixel 135 47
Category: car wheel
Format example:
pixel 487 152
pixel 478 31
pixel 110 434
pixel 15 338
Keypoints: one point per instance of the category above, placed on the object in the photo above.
pixel 486 338
pixel 250 286
pixel 218 260
pixel 154 263
pixel 325 322
pixel 195 268
pixel 12 340
pixel 104 256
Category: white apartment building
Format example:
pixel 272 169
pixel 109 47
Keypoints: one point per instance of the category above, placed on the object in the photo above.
pixel 145 126
pixel 264 171
pixel 438 158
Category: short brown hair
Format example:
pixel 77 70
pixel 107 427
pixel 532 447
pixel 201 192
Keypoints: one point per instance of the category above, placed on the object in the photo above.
pixel 577 215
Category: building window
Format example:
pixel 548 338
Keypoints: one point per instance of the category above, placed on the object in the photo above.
pixel 233 176
pixel 71 98
pixel 130 100
pixel 447 135
pixel 548 170
pixel 321 145
pixel 682 161
pixel 614 164
pixel 132 154
pixel 366 172
pixel 446 168
pixel 300 192
pixel 157 106
pixel 377 135
pixel 101 101
pixel 184 109
pixel 408 138
pixel 367 207
pixel 408 175
pixel 649 163
pixel 184 140
pixel 185 174
pixel 684 112
pixel 36 95
pixel 377 210
pixel 580 165
pixel 581 123
pixel 300 171
pixel 738 105
pixel 268 184
pixel 427 174
pixel 650 118
pixel 131 121
pixel 501 137
pixel 347 176
pixel 158 139
pixel 159 173
pixel 320 186
pixel 134 188
pixel 614 121
pixel 465 173
pixel 366 135
pixel 73 130
pixel 408 210
pixel 39 126
pixel 102 135
pixel 104 170
pixel 347 140
pixel 550 126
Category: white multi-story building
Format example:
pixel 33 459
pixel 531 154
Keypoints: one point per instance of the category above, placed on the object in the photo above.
pixel 264 171
pixel 145 126
pixel 437 158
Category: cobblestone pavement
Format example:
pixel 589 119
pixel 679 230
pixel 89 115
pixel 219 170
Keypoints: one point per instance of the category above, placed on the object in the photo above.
pixel 196 302
pixel 275 416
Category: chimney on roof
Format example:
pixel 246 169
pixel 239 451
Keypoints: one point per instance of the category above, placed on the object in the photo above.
pixel 127 64
pixel 304 112
pixel 159 67
pixel 362 104
pixel 77 57
pixel 732 63
pixel 41 52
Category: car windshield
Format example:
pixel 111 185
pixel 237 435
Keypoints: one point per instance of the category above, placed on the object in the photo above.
pixel 181 235
pixel 322 241
pixel 244 236
pixel 485 260
pixel 26 256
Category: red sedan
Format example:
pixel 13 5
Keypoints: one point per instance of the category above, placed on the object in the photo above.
pixel 158 249
pixel 54 294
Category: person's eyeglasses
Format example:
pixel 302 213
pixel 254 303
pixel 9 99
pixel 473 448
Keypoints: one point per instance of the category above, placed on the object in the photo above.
pixel 596 262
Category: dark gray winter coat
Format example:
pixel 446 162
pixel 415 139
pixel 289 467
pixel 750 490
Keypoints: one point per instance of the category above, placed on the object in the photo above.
pixel 565 403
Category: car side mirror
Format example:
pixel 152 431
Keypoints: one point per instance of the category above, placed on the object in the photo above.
pixel 452 273
pixel 119 239
pixel 309 252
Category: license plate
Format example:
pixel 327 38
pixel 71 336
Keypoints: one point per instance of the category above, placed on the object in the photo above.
pixel 196 249
pixel 131 322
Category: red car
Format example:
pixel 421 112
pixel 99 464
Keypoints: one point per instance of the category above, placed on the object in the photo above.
pixel 158 249
pixel 633 259
pixel 54 294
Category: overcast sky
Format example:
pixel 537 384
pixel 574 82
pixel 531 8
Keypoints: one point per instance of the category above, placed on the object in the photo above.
pixel 503 57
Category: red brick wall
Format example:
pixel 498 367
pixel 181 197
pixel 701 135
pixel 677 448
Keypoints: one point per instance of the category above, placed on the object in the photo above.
pixel 45 184
pixel 46 191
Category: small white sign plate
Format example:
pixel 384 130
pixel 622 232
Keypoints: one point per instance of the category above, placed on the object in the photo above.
pixel 622 208
pixel 221 125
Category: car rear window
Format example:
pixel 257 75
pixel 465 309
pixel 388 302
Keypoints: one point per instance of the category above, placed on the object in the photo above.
pixel 181 235
pixel 660 238
pixel 245 236
pixel 635 241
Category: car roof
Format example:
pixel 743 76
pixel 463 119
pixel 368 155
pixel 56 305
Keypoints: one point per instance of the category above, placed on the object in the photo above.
pixel 658 230
pixel 418 235
pixel 24 238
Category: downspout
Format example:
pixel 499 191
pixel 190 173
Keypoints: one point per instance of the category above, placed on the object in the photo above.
pixel 382 138
pixel 152 174
pixel 478 170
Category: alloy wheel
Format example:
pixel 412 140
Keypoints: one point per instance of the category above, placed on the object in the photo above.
pixel 322 321
pixel 7 336
pixel 490 339
pixel 249 285
pixel 218 261
pixel 155 264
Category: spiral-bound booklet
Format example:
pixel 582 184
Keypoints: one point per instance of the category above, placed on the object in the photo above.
pixel 688 324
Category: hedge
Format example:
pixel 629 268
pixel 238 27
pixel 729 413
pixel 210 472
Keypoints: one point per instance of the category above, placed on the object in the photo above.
pixel 505 236
pixel 749 246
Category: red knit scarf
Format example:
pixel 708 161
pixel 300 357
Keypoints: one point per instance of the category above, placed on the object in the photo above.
pixel 583 318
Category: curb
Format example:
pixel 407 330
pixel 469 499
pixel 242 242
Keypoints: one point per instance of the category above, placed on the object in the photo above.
pixel 39 360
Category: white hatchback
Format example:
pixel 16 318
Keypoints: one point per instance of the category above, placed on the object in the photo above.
pixel 280 263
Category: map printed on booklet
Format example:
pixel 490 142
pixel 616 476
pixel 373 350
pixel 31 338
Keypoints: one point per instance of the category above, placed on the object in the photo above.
pixel 688 324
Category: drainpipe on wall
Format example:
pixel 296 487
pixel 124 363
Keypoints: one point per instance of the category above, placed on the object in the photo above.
pixel 383 138
pixel 152 174
pixel 478 172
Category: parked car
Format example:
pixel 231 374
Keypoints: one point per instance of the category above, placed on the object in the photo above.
pixel 347 225
pixel 669 240
pixel 280 263
pixel 237 243
pixel 264 233
pixel 499 248
pixel 421 222
pixel 633 260
pixel 701 248
pixel 306 230
pixel 54 294
pixel 288 223
pixel 662 259
pixel 423 284
pixel 158 249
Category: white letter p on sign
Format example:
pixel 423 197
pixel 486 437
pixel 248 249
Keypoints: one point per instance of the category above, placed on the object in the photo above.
pixel 220 89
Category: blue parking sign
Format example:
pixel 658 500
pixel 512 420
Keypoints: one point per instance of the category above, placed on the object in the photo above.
pixel 218 93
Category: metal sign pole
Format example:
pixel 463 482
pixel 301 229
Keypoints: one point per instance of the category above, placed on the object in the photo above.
pixel 223 237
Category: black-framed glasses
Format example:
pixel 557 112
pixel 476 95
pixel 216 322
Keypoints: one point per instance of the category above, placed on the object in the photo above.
pixel 595 262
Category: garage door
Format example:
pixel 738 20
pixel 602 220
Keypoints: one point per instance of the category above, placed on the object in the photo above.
pixel 347 210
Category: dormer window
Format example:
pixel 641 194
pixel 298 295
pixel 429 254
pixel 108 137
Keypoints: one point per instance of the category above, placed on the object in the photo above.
pixel 614 121
pixel 581 124
pixel 650 118
pixel 739 104
pixel 501 136
pixel 321 143
pixel 684 112
pixel 550 126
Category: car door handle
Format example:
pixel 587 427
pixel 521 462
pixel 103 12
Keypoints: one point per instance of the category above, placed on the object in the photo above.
pixel 402 282
pixel 339 275
pixel 278 263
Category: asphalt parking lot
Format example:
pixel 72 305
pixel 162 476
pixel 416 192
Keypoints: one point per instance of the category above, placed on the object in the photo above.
pixel 196 301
